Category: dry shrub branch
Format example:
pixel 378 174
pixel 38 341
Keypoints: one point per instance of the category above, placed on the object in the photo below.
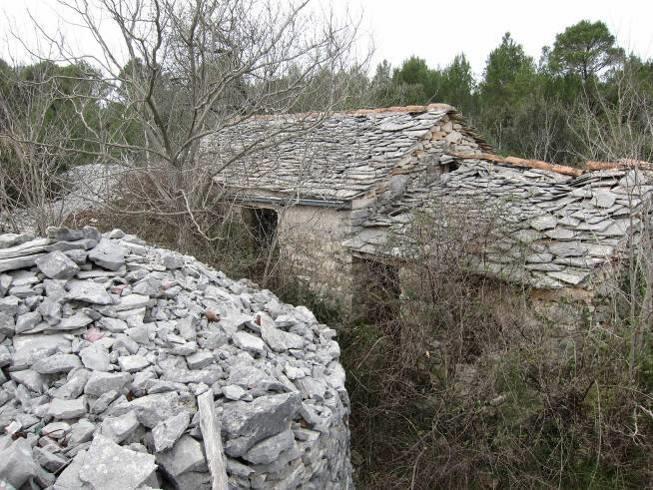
pixel 476 384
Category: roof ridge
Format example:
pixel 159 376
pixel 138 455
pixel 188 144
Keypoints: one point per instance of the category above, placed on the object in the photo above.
pixel 441 107
pixel 520 162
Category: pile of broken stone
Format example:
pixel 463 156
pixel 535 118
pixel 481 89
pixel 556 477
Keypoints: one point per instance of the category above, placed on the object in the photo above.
pixel 107 343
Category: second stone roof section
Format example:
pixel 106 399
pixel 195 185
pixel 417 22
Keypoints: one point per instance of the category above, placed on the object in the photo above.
pixel 548 230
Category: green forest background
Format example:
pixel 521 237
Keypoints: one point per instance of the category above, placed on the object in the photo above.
pixel 543 109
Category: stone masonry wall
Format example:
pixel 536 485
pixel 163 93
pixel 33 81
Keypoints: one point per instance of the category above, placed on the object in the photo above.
pixel 311 242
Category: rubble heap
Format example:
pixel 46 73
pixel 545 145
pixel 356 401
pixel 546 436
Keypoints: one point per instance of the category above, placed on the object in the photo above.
pixel 107 343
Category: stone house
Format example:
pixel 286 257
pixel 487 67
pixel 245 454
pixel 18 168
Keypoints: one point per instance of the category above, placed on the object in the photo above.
pixel 340 193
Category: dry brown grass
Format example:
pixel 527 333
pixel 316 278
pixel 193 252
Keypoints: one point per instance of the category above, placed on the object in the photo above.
pixel 477 385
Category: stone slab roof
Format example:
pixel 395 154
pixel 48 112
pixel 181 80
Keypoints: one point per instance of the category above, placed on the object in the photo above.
pixel 553 226
pixel 556 230
pixel 335 157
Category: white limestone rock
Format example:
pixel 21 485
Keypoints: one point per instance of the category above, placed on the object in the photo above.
pixel 67 409
pixel 107 463
pixel 108 254
pixel 249 342
pixel 96 358
pixel 119 355
pixel 132 364
pixel 166 433
pixel 242 421
pixel 89 292
pixel 185 456
pixel 279 340
pixel 101 382
pixel 17 463
pixel 58 363
pixel 56 265
pixel 119 428
pixel 268 450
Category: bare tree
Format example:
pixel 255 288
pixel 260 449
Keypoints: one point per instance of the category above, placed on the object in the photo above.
pixel 616 126
pixel 31 155
pixel 186 71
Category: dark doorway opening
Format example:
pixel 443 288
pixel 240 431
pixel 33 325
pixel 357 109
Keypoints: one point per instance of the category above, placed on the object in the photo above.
pixel 378 291
pixel 263 224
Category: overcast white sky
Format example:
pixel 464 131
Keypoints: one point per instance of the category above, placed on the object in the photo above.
pixel 439 29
